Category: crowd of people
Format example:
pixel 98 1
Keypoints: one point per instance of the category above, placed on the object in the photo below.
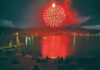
pixel 71 63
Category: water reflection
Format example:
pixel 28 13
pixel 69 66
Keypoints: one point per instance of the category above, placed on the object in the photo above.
pixel 74 39
pixel 26 41
pixel 55 46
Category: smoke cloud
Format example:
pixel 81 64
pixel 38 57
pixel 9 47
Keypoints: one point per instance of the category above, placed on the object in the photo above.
pixel 6 23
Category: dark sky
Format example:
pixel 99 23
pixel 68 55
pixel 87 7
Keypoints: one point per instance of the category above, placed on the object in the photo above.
pixel 25 13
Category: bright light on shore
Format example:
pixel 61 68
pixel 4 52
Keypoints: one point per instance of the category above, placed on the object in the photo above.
pixel 53 5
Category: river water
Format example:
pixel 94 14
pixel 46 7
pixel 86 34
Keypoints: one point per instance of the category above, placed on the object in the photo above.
pixel 55 46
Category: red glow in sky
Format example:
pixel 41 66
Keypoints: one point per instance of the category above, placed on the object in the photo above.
pixel 71 14
pixel 55 46
pixel 57 15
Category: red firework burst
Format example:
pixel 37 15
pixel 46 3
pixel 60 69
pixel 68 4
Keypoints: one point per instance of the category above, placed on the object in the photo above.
pixel 54 16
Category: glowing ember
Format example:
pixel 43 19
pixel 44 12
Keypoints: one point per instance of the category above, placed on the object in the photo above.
pixel 54 15
pixel 53 5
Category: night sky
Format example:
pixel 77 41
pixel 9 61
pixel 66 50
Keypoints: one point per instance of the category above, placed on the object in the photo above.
pixel 26 13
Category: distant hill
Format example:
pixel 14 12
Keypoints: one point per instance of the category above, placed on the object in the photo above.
pixel 9 30
pixel 40 30
pixel 46 30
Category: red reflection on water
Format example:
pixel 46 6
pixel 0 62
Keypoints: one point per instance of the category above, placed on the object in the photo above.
pixel 55 46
